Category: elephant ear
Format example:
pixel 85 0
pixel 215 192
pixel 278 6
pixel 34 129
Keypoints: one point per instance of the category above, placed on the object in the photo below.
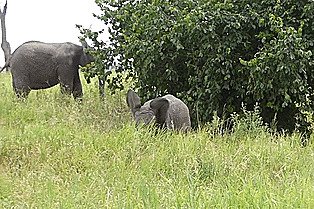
pixel 160 106
pixel 133 101
pixel 84 44
pixel 85 56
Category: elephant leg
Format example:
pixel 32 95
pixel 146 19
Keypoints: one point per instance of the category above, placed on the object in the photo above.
pixel 66 88
pixel 20 88
pixel 77 87
pixel 21 93
pixel 66 82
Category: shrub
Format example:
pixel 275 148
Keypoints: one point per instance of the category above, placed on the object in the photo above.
pixel 215 55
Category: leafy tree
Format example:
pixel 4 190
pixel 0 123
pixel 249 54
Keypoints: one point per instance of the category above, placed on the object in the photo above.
pixel 215 55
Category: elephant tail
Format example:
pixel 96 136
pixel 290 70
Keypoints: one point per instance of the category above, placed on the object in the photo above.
pixel 6 65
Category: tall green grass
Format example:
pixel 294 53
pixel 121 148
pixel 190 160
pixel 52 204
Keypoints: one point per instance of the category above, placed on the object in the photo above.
pixel 56 153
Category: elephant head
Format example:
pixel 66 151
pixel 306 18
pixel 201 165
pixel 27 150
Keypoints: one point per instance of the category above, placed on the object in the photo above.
pixel 86 58
pixel 167 111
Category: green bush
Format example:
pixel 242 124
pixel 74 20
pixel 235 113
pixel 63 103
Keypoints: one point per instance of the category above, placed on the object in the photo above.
pixel 215 55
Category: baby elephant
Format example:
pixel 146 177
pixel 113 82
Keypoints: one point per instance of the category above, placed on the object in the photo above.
pixel 167 111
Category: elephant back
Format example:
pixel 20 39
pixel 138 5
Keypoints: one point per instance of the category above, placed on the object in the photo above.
pixel 32 57
pixel 47 55
pixel 178 114
pixel 32 47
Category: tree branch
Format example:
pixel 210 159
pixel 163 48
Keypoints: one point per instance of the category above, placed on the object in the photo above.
pixel 5 45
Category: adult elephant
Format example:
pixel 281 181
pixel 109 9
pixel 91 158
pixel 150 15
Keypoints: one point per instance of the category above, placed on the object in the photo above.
pixel 38 65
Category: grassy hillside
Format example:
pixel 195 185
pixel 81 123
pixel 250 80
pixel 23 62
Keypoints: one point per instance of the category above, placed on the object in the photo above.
pixel 55 153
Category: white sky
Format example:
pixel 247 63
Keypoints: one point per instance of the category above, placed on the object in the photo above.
pixel 47 21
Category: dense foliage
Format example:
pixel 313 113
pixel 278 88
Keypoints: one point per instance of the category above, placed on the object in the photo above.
pixel 215 55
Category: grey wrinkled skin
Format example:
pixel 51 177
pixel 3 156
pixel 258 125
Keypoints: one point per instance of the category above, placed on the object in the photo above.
pixel 37 65
pixel 167 111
